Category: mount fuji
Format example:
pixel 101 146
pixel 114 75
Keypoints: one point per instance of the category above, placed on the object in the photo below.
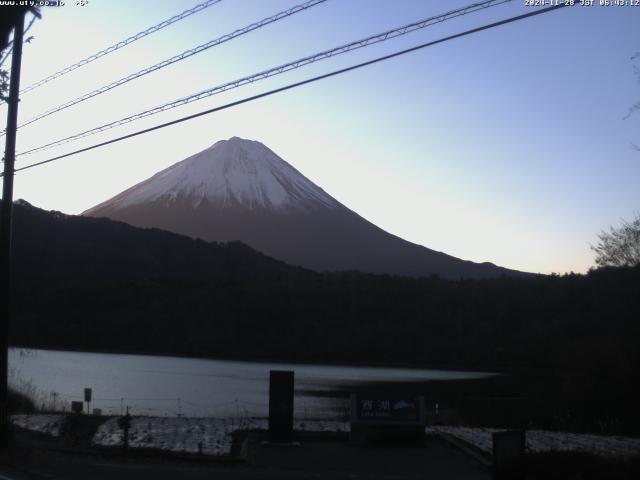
pixel 241 190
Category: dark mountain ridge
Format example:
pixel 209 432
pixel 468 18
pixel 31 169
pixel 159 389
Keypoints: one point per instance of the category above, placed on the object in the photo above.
pixel 223 290
pixel 55 249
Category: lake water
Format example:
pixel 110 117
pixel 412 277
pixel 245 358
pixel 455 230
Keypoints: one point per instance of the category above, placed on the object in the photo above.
pixel 170 386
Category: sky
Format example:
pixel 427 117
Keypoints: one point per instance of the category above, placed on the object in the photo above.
pixel 512 145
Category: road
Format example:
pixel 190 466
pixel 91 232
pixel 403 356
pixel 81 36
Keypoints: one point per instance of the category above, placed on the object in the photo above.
pixel 311 460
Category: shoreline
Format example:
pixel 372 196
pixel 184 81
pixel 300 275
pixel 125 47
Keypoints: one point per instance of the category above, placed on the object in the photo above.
pixel 334 363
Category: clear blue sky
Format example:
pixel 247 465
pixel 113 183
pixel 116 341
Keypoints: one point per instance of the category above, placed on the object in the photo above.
pixel 507 146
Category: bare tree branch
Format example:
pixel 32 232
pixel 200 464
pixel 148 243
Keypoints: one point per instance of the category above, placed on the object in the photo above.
pixel 619 246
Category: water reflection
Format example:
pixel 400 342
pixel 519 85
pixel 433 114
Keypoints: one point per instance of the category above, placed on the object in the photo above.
pixel 170 386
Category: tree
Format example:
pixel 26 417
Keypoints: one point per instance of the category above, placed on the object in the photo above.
pixel 10 16
pixel 619 246
pixel 636 106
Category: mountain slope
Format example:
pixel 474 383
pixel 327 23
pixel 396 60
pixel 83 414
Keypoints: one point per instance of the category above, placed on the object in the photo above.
pixel 240 190
pixel 53 250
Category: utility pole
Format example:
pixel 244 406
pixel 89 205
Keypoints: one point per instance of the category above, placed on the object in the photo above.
pixel 6 211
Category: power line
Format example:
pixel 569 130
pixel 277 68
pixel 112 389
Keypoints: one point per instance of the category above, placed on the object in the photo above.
pixel 380 37
pixel 299 84
pixel 122 43
pixel 177 58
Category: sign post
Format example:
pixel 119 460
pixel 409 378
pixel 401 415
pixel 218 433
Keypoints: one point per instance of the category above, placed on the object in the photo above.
pixel 281 406
pixel 124 423
pixel 87 398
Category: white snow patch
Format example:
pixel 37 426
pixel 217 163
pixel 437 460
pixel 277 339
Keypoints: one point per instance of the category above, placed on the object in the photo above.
pixel 231 172
pixel 48 424
pixel 543 441
pixel 213 436
pixel 209 436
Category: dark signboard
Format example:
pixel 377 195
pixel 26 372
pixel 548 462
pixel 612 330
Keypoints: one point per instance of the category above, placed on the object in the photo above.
pixel 386 418
pixel 87 394
pixel 280 406
pixel 76 407
pixel 382 408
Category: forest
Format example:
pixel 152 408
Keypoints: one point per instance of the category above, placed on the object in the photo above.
pixel 97 285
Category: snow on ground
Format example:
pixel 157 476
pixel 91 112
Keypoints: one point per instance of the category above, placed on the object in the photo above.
pixel 49 424
pixel 213 436
pixel 209 436
pixel 543 441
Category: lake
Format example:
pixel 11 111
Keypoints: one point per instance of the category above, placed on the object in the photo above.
pixel 171 386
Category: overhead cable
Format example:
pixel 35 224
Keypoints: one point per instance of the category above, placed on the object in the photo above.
pixel 380 37
pixel 122 43
pixel 298 84
pixel 177 58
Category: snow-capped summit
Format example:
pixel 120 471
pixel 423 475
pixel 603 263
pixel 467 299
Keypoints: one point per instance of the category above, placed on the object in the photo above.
pixel 240 190
pixel 230 173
